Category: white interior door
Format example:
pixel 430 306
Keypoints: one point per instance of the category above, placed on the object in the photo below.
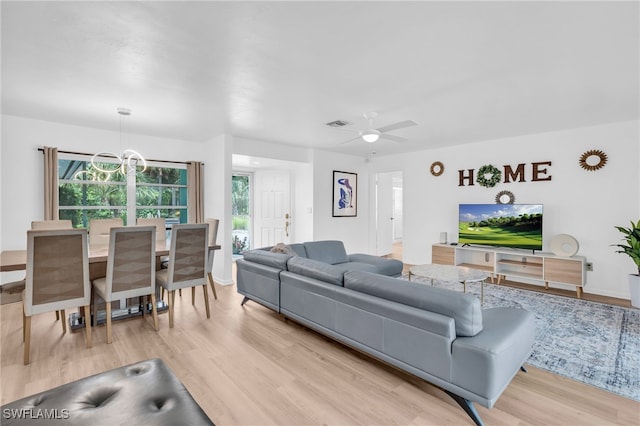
pixel 272 208
pixel 384 214
pixel 397 211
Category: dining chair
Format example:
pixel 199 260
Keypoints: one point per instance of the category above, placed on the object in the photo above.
pixel 57 277
pixel 53 224
pixel 160 224
pixel 99 232
pixel 161 234
pixel 131 267
pixel 187 263
pixel 213 236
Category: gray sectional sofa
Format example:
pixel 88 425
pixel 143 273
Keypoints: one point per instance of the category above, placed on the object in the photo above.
pixel 258 276
pixel 441 336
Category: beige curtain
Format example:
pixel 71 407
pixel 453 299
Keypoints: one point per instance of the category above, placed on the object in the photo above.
pixel 195 193
pixel 50 183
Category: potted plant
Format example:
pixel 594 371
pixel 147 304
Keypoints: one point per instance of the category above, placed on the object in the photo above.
pixel 632 249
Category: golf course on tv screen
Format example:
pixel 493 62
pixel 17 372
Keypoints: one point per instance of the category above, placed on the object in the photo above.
pixel 502 225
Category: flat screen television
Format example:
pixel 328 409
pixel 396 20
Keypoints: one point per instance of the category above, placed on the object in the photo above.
pixel 501 225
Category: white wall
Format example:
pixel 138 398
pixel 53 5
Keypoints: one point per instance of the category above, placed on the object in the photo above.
pixel 585 204
pixel 217 201
pixel 353 231
pixel 303 202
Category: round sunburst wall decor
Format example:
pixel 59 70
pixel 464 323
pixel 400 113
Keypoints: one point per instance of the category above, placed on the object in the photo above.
pixel 505 197
pixel 600 155
pixel 437 168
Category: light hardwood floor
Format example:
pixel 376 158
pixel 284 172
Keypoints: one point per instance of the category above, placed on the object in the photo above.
pixel 249 366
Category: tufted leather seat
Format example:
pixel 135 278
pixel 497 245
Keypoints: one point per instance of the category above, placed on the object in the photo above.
pixel 145 393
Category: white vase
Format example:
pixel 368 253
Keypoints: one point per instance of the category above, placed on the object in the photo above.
pixel 634 289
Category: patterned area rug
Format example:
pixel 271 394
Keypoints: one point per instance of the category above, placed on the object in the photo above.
pixel 591 342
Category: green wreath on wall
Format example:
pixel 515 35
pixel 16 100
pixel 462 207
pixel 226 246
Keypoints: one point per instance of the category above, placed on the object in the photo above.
pixel 482 180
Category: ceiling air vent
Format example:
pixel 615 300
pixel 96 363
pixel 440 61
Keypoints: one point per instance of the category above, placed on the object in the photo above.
pixel 338 123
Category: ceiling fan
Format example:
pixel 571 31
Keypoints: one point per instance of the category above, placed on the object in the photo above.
pixel 371 134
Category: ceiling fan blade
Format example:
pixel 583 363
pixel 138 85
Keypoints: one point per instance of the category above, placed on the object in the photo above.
pixel 393 138
pixel 350 140
pixel 396 126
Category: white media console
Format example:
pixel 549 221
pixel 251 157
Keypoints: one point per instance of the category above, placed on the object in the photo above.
pixel 545 267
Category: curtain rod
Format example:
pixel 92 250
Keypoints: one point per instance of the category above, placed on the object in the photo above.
pixel 84 153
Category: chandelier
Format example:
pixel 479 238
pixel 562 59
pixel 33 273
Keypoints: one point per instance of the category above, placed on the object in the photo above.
pixel 125 161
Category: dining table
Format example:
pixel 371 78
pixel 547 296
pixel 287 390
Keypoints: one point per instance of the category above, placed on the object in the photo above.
pixel 16 260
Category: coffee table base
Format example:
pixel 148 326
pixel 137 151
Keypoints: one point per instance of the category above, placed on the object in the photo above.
pixel 459 274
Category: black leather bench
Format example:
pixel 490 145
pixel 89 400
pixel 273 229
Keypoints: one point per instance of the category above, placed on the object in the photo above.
pixel 145 393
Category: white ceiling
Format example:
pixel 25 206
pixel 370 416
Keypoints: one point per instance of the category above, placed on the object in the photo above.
pixel 278 71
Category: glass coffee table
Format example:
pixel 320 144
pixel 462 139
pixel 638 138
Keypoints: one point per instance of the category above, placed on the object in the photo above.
pixel 461 274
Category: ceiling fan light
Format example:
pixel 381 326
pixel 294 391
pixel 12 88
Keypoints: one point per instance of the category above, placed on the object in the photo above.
pixel 371 136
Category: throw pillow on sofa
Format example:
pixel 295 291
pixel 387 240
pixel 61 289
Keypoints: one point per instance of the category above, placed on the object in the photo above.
pixel 282 248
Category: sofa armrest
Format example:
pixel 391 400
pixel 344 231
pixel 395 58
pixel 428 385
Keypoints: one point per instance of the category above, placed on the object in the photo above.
pixel 486 362
pixel 258 282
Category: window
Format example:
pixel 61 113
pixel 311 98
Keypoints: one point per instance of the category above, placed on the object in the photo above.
pixel 156 192
pixel 241 216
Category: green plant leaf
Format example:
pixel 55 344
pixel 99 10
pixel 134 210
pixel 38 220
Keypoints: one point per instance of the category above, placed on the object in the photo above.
pixel 632 238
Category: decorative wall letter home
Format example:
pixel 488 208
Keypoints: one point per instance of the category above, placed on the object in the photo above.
pixel 462 177
pixel 345 194
pixel 489 176
pixel 516 175
pixel 537 171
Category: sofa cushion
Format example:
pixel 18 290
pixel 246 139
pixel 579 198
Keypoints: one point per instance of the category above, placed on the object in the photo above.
pixel 383 266
pixel 265 257
pixel 315 269
pixel 298 249
pixel 355 266
pixel 329 251
pixel 464 308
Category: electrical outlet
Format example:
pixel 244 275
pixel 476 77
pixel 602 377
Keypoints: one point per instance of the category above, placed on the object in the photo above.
pixel 589 266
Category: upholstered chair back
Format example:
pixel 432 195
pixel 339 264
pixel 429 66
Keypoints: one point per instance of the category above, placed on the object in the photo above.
pixel 132 261
pixel 57 270
pixel 213 236
pixel 99 232
pixel 51 224
pixel 160 224
pixel 188 256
